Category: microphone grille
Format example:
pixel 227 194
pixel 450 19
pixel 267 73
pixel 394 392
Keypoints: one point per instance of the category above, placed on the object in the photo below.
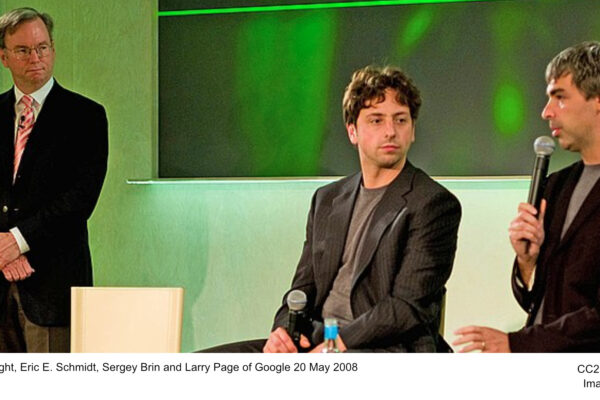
pixel 296 300
pixel 544 146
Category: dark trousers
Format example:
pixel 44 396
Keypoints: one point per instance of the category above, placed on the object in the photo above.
pixel 19 335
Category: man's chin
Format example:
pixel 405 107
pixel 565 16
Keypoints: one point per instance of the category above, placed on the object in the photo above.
pixel 391 164
pixel 37 81
pixel 37 76
pixel 565 144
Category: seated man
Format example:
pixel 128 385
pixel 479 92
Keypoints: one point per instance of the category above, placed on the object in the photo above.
pixel 380 243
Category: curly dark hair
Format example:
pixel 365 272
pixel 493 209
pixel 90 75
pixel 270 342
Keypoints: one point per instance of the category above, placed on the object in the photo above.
pixel 582 61
pixel 370 83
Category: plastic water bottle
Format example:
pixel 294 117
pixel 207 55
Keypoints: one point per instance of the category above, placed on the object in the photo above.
pixel 331 333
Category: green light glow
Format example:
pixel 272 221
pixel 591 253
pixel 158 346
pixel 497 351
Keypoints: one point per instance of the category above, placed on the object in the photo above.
pixel 509 106
pixel 299 7
pixel 282 58
pixel 415 30
pixel 509 27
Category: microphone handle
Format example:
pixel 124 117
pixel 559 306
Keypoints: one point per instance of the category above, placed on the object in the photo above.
pixel 295 325
pixel 291 327
pixel 538 180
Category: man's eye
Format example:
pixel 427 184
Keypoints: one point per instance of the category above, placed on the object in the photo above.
pixel 21 52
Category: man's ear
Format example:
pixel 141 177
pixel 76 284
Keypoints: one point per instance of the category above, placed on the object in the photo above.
pixel 597 103
pixel 351 128
pixel 3 57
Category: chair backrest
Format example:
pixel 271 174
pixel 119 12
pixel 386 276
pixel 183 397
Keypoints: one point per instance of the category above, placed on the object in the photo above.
pixel 126 320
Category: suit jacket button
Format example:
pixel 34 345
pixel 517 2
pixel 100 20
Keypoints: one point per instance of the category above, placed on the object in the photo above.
pixel 4 209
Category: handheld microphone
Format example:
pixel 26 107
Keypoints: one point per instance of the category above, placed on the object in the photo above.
pixel 543 147
pixel 296 302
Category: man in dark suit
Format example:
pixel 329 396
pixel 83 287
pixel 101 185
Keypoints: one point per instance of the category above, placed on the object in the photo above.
pixel 556 274
pixel 53 156
pixel 379 244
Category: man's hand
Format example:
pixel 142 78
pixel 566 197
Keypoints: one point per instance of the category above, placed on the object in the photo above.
pixel 9 249
pixel 18 270
pixel 280 342
pixel 526 234
pixel 488 340
pixel 340 345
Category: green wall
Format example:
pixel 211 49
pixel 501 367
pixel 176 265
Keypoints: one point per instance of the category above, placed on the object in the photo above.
pixel 232 246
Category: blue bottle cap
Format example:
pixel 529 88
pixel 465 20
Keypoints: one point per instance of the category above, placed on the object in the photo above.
pixel 331 331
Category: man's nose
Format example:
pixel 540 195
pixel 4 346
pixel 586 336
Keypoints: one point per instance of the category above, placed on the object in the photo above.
pixel 390 129
pixel 33 56
pixel 547 112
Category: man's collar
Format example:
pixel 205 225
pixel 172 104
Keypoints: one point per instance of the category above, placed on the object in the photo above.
pixel 39 95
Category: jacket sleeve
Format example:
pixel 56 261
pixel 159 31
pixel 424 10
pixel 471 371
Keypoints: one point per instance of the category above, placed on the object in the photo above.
pixel 304 277
pixel 575 331
pixel 522 294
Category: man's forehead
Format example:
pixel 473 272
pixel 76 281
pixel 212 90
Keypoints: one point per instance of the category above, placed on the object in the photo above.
pixel 31 26
pixel 376 107
pixel 389 94
pixel 562 82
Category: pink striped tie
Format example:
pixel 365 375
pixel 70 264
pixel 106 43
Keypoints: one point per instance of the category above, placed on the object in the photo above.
pixel 25 126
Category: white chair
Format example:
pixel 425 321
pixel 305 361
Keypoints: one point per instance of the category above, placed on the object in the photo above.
pixel 126 320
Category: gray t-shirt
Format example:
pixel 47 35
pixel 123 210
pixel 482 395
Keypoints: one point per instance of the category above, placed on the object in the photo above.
pixel 337 304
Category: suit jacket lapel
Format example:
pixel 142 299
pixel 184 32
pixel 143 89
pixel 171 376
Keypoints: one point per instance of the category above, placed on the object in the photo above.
pixel 390 207
pixel 562 204
pixel 337 228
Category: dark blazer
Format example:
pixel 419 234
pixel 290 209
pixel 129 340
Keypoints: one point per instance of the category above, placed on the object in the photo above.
pixel 57 186
pixel 408 253
pixel 567 275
